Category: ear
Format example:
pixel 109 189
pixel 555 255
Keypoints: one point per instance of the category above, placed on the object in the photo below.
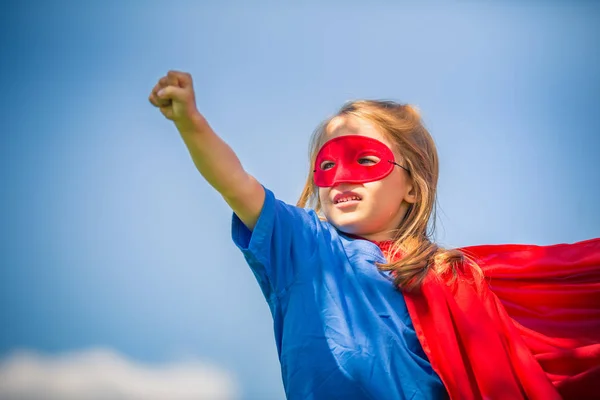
pixel 411 194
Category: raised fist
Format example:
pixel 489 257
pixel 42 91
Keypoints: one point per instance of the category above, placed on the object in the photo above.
pixel 174 96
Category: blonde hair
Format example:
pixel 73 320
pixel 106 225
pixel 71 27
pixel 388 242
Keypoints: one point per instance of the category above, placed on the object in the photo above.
pixel 413 238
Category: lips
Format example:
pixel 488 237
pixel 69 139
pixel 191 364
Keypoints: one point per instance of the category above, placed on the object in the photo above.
pixel 345 197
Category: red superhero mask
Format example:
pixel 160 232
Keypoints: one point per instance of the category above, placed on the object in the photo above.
pixel 352 159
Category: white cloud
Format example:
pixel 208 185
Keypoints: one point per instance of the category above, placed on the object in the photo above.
pixel 105 375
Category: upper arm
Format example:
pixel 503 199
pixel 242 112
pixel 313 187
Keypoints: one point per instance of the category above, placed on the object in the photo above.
pixel 248 201
pixel 282 243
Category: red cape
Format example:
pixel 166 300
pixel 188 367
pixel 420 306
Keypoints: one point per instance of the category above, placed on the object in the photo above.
pixel 531 331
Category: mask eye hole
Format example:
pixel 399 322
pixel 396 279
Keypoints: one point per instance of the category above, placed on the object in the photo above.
pixel 325 165
pixel 368 160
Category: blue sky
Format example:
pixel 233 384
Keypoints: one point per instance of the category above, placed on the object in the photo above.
pixel 110 238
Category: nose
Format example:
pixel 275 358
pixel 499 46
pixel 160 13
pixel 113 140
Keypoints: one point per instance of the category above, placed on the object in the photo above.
pixel 343 186
pixel 342 176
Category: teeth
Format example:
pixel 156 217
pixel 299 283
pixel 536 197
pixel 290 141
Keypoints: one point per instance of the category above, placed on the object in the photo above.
pixel 344 199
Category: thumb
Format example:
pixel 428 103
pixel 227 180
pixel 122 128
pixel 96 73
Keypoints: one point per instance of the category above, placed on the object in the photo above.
pixel 173 93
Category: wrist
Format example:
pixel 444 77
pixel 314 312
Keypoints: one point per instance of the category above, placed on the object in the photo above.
pixel 195 124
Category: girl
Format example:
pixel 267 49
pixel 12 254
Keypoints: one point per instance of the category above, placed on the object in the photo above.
pixel 365 305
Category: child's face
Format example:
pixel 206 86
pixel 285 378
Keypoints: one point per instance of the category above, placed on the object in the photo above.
pixel 376 208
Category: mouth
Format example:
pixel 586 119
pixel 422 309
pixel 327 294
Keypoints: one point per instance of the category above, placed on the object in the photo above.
pixel 346 197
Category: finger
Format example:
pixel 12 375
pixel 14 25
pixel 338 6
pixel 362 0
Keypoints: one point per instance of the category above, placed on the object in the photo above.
pixel 178 78
pixel 153 98
pixel 172 93
pixel 185 80
pixel 173 78
pixel 167 112
pixel 162 82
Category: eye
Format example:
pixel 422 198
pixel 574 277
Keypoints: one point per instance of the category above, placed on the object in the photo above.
pixel 370 160
pixel 325 165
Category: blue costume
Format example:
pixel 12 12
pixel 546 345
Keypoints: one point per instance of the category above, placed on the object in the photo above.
pixel 341 327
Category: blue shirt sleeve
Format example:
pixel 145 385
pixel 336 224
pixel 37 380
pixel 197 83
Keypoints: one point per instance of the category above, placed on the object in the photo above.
pixel 284 236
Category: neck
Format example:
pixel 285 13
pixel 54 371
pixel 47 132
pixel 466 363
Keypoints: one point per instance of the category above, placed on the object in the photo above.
pixel 377 238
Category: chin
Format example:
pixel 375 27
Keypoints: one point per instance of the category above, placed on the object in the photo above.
pixel 347 225
pixel 347 222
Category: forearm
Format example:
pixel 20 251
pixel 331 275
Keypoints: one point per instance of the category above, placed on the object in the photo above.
pixel 222 169
pixel 216 161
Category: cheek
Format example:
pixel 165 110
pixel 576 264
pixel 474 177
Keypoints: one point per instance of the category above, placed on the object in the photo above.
pixel 378 189
pixel 323 192
pixel 388 192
